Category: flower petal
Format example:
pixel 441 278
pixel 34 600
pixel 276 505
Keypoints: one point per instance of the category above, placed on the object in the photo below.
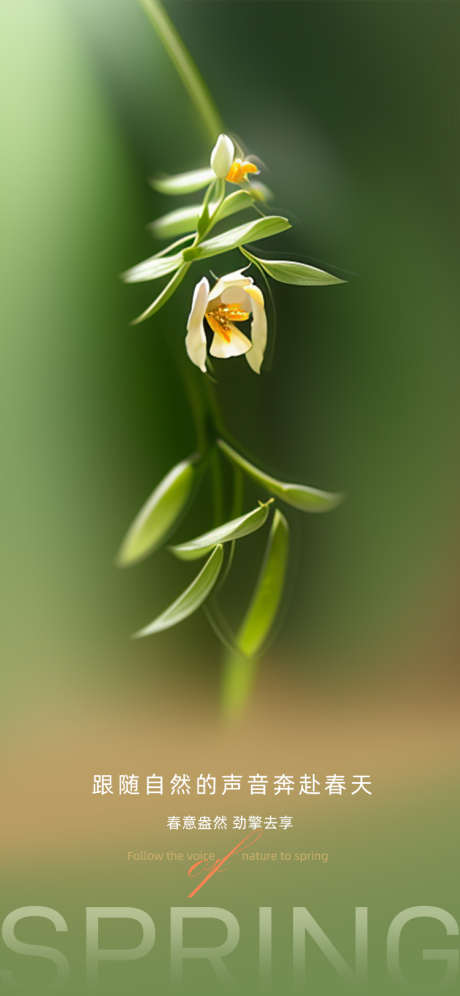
pixel 236 279
pixel 195 340
pixel 258 329
pixel 237 295
pixel 222 156
pixel 239 343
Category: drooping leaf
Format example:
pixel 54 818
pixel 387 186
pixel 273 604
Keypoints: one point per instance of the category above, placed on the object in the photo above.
pixel 183 183
pixel 160 513
pixel 300 496
pixel 291 272
pixel 232 530
pixel 153 268
pixel 163 296
pixel 266 599
pixel 190 599
pixel 262 228
pixel 260 617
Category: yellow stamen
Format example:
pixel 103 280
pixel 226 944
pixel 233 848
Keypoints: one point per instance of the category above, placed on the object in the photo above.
pixel 222 317
pixel 239 170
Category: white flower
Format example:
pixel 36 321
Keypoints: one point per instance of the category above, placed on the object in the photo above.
pixel 222 156
pixel 225 166
pixel 234 298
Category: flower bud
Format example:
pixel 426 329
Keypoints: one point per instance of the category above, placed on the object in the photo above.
pixel 222 156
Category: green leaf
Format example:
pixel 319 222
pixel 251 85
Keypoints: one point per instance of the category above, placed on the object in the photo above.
pixel 263 228
pixel 260 617
pixel 183 183
pixel 266 599
pixel 298 495
pixel 232 530
pixel 291 272
pixel 163 296
pixel 190 599
pixel 160 513
pixel 153 268
pixel 182 220
pixel 203 222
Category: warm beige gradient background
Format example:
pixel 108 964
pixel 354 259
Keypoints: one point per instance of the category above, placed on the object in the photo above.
pixel 407 742
pixel 353 106
pixel 65 848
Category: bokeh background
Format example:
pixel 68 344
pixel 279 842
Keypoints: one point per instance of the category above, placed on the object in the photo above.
pixel 354 109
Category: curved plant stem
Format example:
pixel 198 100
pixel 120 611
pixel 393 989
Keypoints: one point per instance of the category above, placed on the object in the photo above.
pixel 204 403
pixel 185 66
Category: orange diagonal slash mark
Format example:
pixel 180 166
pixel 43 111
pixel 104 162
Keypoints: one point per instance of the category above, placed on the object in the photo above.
pixel 243 844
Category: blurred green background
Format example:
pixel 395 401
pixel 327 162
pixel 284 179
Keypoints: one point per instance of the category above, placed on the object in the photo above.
pixel 353 107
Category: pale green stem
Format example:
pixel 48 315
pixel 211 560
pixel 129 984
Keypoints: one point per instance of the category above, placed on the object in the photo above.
pixel 185 66
pixel 237 679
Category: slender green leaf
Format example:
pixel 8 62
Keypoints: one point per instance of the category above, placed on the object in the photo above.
pixel 266 599
pixel 182 220
pixel 163 296
pixel 260 617
pixel 291 272
pixel 263 228
pixel 160 513
pixel 298 495
pixel 183 183
pixel 190 599
pixel 153 268
pixel 232 530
